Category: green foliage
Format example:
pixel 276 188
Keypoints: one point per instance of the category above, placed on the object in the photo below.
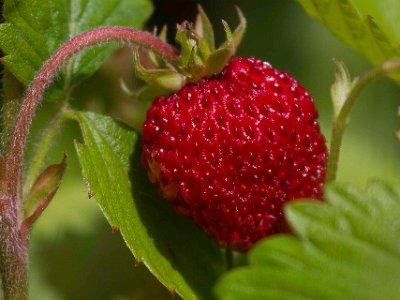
pixel 346 248
pixel 35 29
pixel 174 250
pixel 369 26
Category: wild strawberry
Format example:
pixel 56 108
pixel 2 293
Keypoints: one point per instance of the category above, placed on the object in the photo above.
pixel 228 151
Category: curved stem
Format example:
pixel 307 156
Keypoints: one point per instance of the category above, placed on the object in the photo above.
pixel 340 123
pixel 13 246
pixel 44 76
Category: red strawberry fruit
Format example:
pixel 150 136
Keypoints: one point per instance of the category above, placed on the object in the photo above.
pixel 228 151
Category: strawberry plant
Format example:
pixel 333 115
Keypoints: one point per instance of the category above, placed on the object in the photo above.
pixel 219 152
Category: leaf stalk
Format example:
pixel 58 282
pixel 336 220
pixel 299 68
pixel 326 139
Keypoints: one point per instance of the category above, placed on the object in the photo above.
pixel 341 121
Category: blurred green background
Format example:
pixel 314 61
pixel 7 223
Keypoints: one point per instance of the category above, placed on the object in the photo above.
pixel 74 253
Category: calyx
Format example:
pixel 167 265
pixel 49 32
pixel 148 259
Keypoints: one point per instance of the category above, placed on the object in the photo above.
pixel 199 57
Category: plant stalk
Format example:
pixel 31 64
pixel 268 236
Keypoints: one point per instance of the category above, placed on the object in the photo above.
pixel 14 247
pixel 13 258
pixel 342 120
pixel 44 76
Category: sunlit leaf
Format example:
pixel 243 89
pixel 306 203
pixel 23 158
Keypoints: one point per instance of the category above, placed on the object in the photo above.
pixel 346 248
pixel 369 26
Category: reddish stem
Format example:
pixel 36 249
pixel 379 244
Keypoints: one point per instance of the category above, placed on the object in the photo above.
pixel 44 76
pixel 13 242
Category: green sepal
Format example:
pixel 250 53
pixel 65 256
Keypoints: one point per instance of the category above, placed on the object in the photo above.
pixel 205 32
pixel 156 60
pixel 341 87
pixel 203 49
pixel 233 39
pixel 228 34
pixel 204 28
pixel 198 58
pixel 165 78
pixel 218 60
pixel 188 41
pixel 193 70
pixel 238 34
pixel 213 60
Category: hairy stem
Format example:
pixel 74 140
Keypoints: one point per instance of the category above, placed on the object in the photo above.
pixel 13 246
pixel 13 257
pixel 340 123
pixel 44 76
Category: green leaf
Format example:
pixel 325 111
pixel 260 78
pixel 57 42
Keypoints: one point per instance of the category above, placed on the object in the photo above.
pixel 385 12
pixel 369 26
pixel 346 248
pixel 46 184
pixel 173 249
pixel 35 29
